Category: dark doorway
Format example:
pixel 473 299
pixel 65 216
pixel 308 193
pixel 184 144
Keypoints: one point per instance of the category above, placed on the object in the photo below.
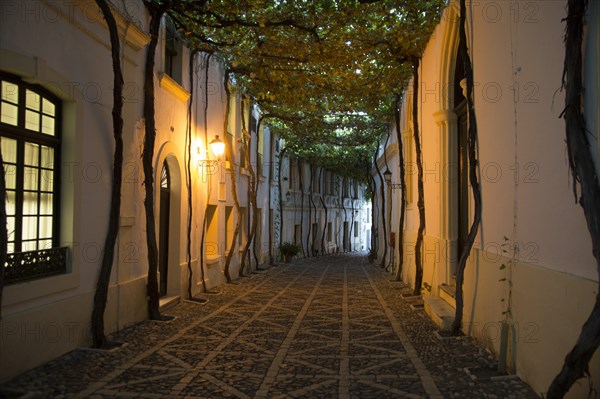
pixel 163 229
pixel 315 242
pixel 346 243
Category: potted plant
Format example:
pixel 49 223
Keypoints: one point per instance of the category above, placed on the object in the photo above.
pixel 288 251
pixel 372 255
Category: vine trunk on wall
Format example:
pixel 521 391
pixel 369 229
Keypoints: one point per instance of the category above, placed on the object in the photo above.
pixel 280 192
pixel 252 194
pixel 420 189
pixel 584 172
pixel 315 248
pixel 324 248
pixel 209 190
pixel 232 174
pixel 345 215
pixel 317 216
pixel 373 194
pixel 188 179
pixel 3 230
pixel 400 243
pixel 351 230
pixel 156 13
pixel 270 202
pixel 299 162
pixel 255 194
pixel 310 189
pixel 383 224
pixel 473 165
pixel 101 294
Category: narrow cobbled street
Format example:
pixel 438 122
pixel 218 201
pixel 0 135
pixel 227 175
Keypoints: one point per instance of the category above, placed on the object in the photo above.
pixel 328 327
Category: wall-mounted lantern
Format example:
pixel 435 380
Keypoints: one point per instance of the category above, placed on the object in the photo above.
pixel 218 148
pixel 387 176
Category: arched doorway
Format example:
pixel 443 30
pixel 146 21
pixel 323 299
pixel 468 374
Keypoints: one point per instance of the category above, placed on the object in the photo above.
pixel 452 123
pixel 167 202
pixel 163 227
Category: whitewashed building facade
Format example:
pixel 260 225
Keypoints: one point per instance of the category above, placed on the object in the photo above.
pixel 57 144
pixel 533 249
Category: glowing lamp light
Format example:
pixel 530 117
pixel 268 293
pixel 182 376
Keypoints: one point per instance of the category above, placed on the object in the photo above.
pixel 217 146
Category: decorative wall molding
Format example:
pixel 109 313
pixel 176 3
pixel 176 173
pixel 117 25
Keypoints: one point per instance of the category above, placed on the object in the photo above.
pixel 166 82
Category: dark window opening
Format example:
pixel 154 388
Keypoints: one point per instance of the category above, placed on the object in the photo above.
pixel 173 51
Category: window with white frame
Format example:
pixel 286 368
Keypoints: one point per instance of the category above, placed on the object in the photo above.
pixel 30 141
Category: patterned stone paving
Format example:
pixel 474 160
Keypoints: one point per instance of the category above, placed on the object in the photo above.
pixel 330 327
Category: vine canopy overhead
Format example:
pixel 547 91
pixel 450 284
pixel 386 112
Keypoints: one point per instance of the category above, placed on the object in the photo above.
pixel 324 72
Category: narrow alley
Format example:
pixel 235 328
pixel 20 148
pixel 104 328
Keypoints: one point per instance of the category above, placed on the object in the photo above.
pixel 324 327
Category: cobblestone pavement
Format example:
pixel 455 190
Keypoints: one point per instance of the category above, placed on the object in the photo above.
pixel 331 327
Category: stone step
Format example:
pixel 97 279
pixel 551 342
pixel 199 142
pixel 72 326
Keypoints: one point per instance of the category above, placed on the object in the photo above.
pixel 448 293
pixel 167 302
pixel 440 312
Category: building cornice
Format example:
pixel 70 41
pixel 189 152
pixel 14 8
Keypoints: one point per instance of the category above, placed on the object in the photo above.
pixel 133 35
pixel 390 151
pixel 170 85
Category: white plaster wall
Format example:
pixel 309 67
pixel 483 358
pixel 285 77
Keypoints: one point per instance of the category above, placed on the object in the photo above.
pixel 523 167
pixel 77 69
pixel 86 80
pixel 539 321
pixel 517 53
pixel 532 111
pixel 523 124
pixel 592 55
